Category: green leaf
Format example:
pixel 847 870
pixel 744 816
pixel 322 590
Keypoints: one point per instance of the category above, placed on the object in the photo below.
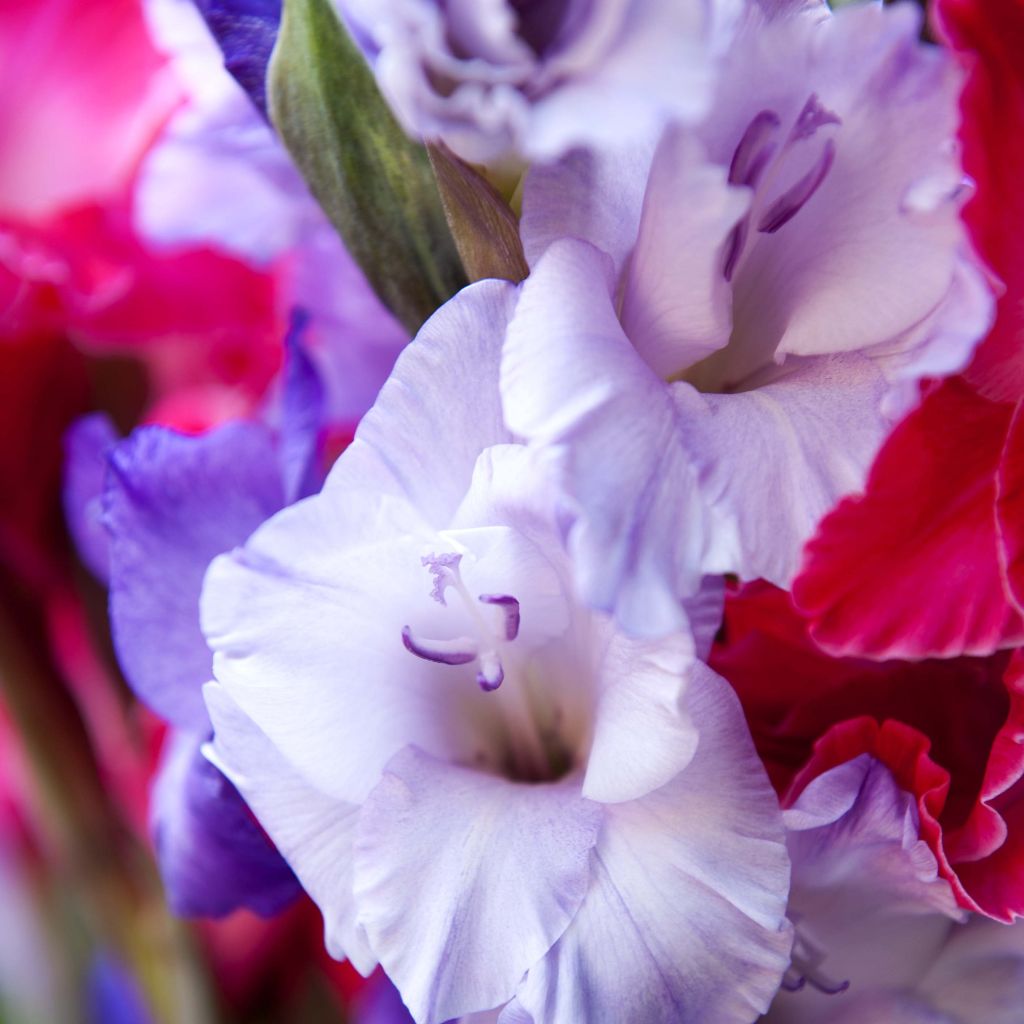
pixel 486 231
pixel 373 182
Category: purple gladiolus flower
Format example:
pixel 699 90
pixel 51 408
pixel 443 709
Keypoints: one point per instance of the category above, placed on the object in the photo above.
pixel 503 77
pixel 149 513
pixel 879 936
pixel 721 326
pixel 514 807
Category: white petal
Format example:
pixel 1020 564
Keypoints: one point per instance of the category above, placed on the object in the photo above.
pixel 685 918
pixel 464 880
pixel 774 459
pixel 643 736
pixel 575 387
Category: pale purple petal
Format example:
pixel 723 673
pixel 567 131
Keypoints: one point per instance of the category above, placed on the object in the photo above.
pixel 447 378
pixel 675 306
pixel 313 831
pixel 594 195
pixel 869 907
pixel 172 503
pixel 496 79
pixel 86 445
pixel 874 249
pixel 775 458
pixel 978 978
pixel 465 880
pixel 643 736
pixel 213 856
pixel 575 388
pixel 701 866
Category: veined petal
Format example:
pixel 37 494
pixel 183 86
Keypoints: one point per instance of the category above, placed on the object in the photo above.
pixel 675 306
pixel 465 880
pixel 575 388
pixel 685 917
pixel 774 459
pixel 447 378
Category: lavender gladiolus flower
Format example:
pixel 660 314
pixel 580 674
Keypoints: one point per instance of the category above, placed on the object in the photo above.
pixel 483 784
pixel 878 934
pixel 721 327
pixel 536 77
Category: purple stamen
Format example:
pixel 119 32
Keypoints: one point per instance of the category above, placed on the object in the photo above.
pixel 811 118
pixel 793 200
pixel 826 986
pixel 490 675
pixel 510 606
pixel 445 570
pixel 734 247
pixel 755 150
pixel 460 651
pixel 792 984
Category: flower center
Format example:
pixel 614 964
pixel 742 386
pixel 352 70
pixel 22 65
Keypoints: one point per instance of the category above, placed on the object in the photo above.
pixel 536 751
pixel 485 646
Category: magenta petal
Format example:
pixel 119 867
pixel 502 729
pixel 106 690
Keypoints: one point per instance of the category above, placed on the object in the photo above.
pixel 926 524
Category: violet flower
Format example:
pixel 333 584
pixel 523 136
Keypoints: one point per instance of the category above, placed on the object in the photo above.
pixel 721 326
pixel 148 514
pixel 485 786
pixel 502 78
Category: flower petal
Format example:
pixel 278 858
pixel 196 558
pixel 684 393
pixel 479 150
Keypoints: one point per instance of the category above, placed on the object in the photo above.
pixel 776 458
pixel 448 378
pixel 465 880
pixel 685 917
pixel 172 503
pixel 675 306
pixel 926 525
pixel 593 195
pixel 575 388
pixel 313 831
pixel 643 737
pixel 213 857
pixel 85 470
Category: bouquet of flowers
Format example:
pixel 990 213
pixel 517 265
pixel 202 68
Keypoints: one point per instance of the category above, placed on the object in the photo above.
pixel 519 501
